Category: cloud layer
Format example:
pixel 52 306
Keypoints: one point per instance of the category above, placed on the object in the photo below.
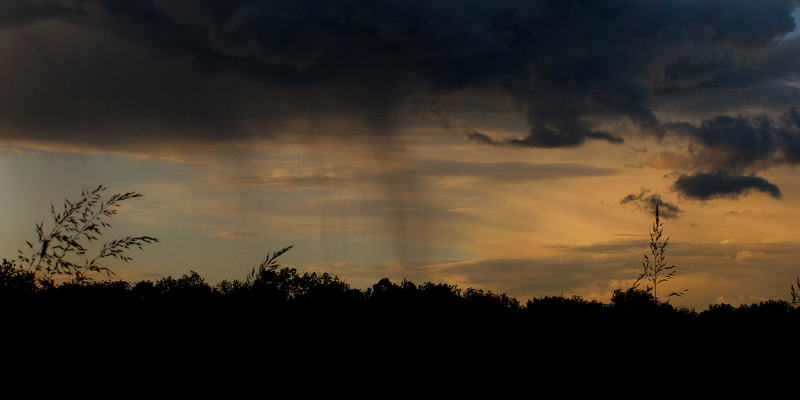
pixel 121 74
pixel 102 70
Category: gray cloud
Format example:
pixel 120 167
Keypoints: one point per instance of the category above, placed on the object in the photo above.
pixel 516 172
pixel 20 12
pixel 727 151
pixel 743 143
pixel 114 73
pixel 480 138
pixel 706 186
pixel 573 136
pixel 496 172
pixel 735 84
pixel 632 247
pixel 547 138
pixel 647 201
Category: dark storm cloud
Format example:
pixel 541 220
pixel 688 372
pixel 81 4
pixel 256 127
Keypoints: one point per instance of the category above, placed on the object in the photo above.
pixel 706 186
pixel 20 12
pixel 723 72
pixel 110 71
pixel 743 142
pixel 738 146
pixel 647 201
pixel 548 138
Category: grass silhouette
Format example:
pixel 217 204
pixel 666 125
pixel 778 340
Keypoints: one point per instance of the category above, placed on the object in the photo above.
pixel 55 250
pixel 655 269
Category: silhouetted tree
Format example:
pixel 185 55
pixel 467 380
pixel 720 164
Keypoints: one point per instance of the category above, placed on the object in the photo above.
pixel 558 308
pixel 634 300
pixel 15 282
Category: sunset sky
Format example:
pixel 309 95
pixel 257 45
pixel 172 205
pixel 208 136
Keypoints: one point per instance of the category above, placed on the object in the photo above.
pixel 516 146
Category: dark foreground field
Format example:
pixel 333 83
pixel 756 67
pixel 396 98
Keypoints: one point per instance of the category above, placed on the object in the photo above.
pixel 282 326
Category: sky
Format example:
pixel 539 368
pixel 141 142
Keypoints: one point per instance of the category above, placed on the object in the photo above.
pixel 513 146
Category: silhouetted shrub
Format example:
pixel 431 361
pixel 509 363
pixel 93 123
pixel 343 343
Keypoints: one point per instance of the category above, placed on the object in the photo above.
pixel 637 302
pixel 486 301
pixel 190 286
pixel 564 308
pixel 759 319
pixel 15 282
